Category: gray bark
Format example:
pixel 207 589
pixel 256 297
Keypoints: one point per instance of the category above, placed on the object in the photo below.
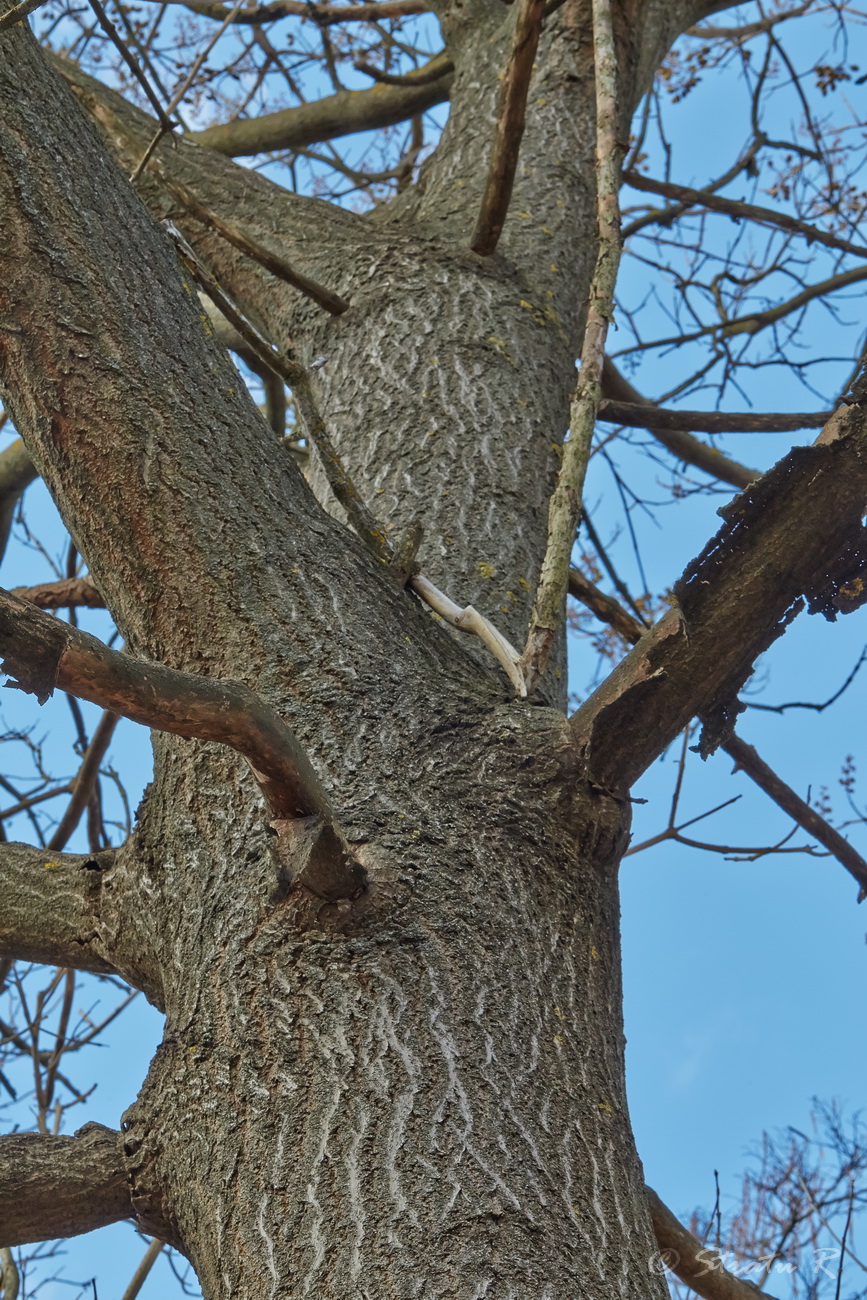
pixel 417 1092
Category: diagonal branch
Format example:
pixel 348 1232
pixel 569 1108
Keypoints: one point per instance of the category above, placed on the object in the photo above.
pixel 795 533
pixel 42 653
pixel 510 127
pixel 746 758
pixel 61 1186
pixel 685 195
pixel 336 115
pixel 700 1267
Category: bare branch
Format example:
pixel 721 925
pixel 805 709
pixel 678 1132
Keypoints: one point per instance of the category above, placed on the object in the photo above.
pixel 683 445
pixel 343 113
pixel 17 472
pixel 61 1186
pixel 19 13
pixel 509 128
pixel 85 781
pixel 698 1266
pixel 645 416
pixel 51 907
pixel 42 653
pixel 686 197
pixel 278 266
pixel 324 15
pixel 565 506
pixel 65 593
pixel 748 760
pixel 795 533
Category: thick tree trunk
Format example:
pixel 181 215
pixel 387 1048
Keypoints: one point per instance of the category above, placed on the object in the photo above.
pixel 418 1092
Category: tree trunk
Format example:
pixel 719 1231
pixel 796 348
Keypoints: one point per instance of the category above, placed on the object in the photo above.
pixel 419 1091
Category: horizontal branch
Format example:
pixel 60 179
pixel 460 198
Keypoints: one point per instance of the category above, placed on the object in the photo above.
pixel 61 1186
pixel 684 446
pixel 795 533
pixel 700 1267
pixel 64 593
pixel 51 904
pixel 336 115
pixel 42 653
pixel 323 15
pixel 641 415
pixel 686 196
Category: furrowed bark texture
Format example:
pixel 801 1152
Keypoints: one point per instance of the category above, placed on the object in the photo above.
pixel 418 1091
pixel 61 1186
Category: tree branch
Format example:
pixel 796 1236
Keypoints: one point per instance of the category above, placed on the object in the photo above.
pixel 51 907
pixel 324 15
pixel 565 505
pixel 17 472
pixel 698 1266
pixel 61 1186
pixel 340 114
pixel 795 533
pixel 686 197
pixel 41 653
pixel 641 415
pixel 610 611
pixel 65 593
pixel 683 445
pixel 510 127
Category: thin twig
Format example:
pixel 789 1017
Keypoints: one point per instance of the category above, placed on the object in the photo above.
pixel 565 506
pixel 120 45
pixel 85 781
pixel 509 129
pixel 278 266
pixel 181 91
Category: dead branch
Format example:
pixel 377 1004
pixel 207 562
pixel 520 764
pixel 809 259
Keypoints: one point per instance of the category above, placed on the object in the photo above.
pixel 278 266
pixel 509 128
pixel 61 1186
pixel 324 15
pixel 795 533
pixel 85 781
pixel 565 506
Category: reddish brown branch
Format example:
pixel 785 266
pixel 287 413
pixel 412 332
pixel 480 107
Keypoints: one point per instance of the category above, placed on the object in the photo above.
pixel 684 194
pixel 41 653
pixel 509 129
pixel 67 592
pixel 700 1267
pixel 640 415
pixel 61 1186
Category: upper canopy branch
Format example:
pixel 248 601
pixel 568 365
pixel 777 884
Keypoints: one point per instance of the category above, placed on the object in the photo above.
pixel 795 533
pixel 42 653
pixel 61 1186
